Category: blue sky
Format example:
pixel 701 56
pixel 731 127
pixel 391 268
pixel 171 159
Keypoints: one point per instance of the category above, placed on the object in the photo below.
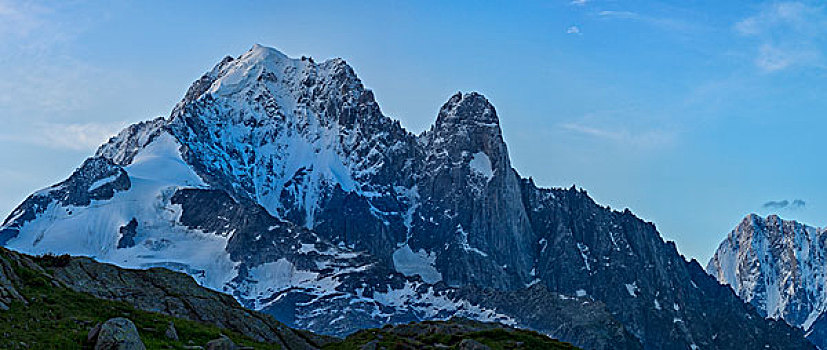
pixel 690 113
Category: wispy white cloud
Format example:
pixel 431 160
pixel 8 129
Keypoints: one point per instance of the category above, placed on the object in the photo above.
pixel 667 23
pixel 787 34
pixel 622 136
pixel 42 78
pixel 19 18
pixel 620 14
pixel 771 57
pixel 798 16
pixel 77 136
pixel 579 2
pixel 44 87
pixel 573 30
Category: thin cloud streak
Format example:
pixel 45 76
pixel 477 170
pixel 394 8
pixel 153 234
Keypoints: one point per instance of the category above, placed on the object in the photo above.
pixel 620 14
pixel 18 19
pixel 671 24
pixel 77 137
pixel 644 139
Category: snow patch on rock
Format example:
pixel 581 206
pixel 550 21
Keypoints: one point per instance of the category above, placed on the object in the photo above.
pixel 480 164
pixel 421 263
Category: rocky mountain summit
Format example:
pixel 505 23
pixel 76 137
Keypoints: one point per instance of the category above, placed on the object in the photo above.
pixel 279 181
pixel 779 267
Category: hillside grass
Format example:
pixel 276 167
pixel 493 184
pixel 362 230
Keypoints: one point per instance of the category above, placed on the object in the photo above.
pixel 496 339
pixel 60 318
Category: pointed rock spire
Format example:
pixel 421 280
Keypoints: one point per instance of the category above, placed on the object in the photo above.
pixel 468 128
pixel 470 108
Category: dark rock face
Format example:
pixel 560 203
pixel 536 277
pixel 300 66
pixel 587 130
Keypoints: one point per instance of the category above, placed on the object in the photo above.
pixel 470 199
pixel 128 233
pixel 216 212
pixel 620 260
pixel 348 217
pixel 578 320
pixel 817 333
pixel 96 179
pixel 117 334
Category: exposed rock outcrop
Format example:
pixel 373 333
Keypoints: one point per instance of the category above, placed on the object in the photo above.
pixel 116 334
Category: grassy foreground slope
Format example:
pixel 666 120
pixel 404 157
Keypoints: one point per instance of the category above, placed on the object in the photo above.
pixel 39 312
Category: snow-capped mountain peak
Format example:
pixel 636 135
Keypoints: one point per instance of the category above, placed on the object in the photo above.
pixel 777 265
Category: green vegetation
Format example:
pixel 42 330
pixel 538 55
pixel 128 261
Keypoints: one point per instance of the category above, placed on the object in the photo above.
pixel 51 260
pixel 59 318
pixel 448 335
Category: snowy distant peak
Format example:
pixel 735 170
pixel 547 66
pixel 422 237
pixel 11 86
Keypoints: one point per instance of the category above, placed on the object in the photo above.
pixel 261 52
pixel 778 266
pixel 751 218
pixel 772 225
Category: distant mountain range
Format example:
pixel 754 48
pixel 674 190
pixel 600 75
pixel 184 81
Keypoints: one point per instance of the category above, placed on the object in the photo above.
pixel 280 182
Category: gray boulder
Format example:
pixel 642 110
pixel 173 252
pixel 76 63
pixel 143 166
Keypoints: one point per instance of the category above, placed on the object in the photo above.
pixel 223 343
pixel 116 334
pixel 171 333
pixel 471 344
